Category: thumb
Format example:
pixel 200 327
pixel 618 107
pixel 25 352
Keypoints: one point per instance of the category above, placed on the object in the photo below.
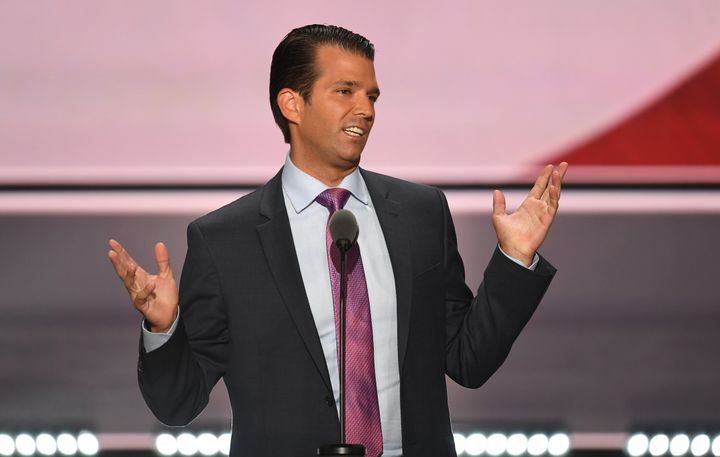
pixel 498 203
pixel 162 257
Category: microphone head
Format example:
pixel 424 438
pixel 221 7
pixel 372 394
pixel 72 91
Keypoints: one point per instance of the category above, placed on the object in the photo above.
pixel 344 229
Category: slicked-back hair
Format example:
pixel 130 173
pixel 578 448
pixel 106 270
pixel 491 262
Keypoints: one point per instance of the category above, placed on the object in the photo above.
pixel 293 62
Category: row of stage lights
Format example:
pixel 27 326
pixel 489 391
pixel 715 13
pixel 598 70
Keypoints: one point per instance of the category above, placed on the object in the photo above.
pixel 209 444
pixel 25 444
pixel 516 444
pixel 189 444
pixel 472 444
pixel 678 445
pixel 495 444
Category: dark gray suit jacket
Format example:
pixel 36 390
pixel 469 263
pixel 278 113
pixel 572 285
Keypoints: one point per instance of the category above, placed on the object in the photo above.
pixel 245 317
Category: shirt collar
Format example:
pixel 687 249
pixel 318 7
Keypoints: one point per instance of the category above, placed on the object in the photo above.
pixel 301 188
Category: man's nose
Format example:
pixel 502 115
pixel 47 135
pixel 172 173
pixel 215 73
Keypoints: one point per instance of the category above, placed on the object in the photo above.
pixel 364 107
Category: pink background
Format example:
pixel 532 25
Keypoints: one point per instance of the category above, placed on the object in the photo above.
pixel 133 92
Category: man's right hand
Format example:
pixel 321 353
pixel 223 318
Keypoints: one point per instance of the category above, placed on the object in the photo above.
pixel 155 296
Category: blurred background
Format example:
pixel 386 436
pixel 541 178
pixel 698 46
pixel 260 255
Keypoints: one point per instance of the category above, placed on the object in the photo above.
pixel 128 119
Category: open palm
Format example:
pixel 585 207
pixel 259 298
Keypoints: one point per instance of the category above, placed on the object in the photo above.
pixel 521 233
pixel 154 295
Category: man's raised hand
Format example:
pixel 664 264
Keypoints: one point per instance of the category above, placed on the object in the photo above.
pixel 521 233
pixel 155 296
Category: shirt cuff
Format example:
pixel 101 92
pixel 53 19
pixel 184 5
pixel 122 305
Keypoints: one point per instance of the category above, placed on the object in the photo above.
pixel 152 341
pixel 532 266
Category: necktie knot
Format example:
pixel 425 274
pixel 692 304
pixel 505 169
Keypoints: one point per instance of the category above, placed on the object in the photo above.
pixel 333 199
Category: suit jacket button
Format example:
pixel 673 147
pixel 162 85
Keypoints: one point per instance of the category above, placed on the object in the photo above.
pixel 330 401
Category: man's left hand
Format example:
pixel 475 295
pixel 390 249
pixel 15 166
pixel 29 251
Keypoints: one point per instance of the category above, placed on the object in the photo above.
pixel 521 233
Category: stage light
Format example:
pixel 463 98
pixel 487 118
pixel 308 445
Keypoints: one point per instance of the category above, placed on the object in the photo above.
pixel 67 444
pixel 224 443
pixel 679 445
pixel 716 446
pixel 637 445
pixel 537 444
pixel 558 444
pixel 475 444
pixel 88 444
pixel 166 444
pixel 659 445
pixel 7 445
pixel 700 445
pixel 459 443
pixel 208 444
pixel 517 444
pixel 45 444
pixel 187 444
pixel 24 444
pixel 496 444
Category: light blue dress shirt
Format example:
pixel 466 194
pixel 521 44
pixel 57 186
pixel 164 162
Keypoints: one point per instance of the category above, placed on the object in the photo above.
pixel 308 221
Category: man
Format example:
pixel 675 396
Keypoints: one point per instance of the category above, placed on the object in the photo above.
pixel 257 302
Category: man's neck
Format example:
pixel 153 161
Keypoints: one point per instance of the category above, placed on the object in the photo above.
pixel 330 176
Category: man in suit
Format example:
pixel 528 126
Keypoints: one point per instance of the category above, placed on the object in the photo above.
pixel 256 302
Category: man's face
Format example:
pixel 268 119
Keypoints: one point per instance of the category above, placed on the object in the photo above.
pixel 334 124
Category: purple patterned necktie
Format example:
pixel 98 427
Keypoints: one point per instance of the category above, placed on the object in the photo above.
pixel 362 414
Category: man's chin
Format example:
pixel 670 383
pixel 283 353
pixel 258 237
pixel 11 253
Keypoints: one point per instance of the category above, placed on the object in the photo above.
pixel 351 160
pixel 350 157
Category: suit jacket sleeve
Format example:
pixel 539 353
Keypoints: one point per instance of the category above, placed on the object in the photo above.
pixel 480 331
pixel 176 379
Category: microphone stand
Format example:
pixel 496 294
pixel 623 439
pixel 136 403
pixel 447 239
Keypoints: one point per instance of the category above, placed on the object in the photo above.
pixel 343 449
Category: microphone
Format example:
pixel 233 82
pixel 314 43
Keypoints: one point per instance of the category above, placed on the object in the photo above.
pixel 344 232
pixel 344 229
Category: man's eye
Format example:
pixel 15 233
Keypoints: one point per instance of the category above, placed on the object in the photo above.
pixel 344 91
pixel 373 98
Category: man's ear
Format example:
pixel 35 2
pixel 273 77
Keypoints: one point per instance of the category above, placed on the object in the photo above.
pixel 291 104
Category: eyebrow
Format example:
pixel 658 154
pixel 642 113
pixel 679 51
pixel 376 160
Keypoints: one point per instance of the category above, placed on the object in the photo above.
pixel 351 83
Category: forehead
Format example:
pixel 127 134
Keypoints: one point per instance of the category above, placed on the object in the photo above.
pixel 335 64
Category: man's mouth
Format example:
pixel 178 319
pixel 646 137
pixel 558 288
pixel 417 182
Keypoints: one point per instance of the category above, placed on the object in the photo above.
pixel 354 131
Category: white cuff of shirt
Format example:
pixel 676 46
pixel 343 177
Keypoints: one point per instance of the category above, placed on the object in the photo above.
pixel 532 266
pixel 152 341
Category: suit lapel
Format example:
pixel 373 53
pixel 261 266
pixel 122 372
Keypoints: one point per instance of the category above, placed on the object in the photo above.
pixel 389 213
pixel 277 243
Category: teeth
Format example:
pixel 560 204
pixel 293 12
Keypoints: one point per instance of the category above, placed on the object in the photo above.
pixel 354 131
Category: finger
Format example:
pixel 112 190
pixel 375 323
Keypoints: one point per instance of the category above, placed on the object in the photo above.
pixel 162 257
pixel 115 245
pixel 498 203
pixel 115 260
pixel 554 182
pixel 124 256
pixel 553 199
pixel 557 180
pixel 560 172
pixel 120 250
pixel 121 267
pixel 115 255
pixel 541 183
pixel 558 177
pixel 546 196
pixel 129 277
pixel 145 293
pixel 562 168
pixel 557 184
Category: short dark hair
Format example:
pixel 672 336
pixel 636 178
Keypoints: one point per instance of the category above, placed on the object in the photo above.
pixel 293 62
